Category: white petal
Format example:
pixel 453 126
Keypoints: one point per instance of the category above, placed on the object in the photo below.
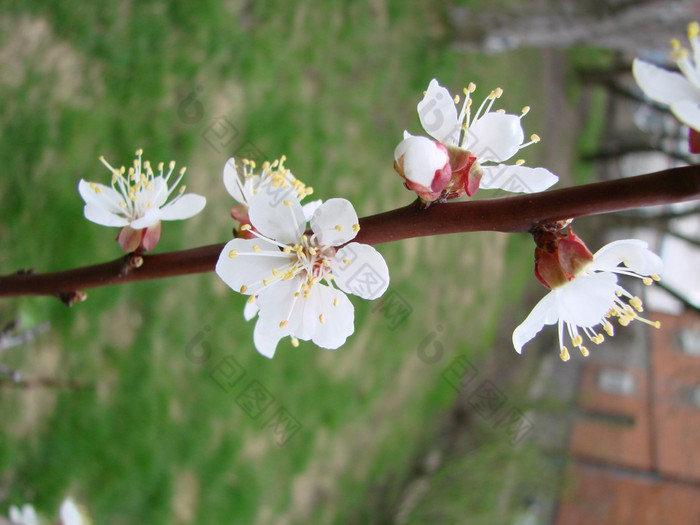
pixel 183 207
pixel 281 220
pixel 279 302
pixel 422 157
pixel 663 86
pixel 249 267
pixel 251 309
pixel 69 513
pixel 586 299
pixel 279 316
pixel 361 270
pixel 495 137
pixel 516 178
pixel 438 114
pixel 310 208
pixel 266 336
pixel 101 196
pixel 100 215
pixel 232 182
pixel 688 112
pixel 544 312
pixel 633 253
pixel 338 318
pixel 152 216
pixel 335 222
pixel 156 195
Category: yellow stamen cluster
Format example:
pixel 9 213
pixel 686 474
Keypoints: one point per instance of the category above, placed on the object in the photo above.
pixel 277 175
pixel 136 184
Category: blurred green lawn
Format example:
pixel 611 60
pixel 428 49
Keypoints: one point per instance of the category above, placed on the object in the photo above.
pixel 154 438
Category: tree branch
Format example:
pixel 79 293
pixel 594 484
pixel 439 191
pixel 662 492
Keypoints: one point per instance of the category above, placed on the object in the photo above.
pixel 512 214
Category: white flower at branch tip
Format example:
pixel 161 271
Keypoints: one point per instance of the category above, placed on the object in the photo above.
pixel 592 297
pixel 492 137
pixel 136 202
pixel 679 91
pixel 298 280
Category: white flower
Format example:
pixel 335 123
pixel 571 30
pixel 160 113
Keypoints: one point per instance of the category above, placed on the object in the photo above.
pixel 593 296
pixel 491 136
pixel 679 91
pixel 70 514
pixel 136 201
pixel 24 516
pixel 292 274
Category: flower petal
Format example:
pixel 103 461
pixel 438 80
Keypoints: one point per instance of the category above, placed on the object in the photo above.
pixel 183 207
pixel 243 268
pixel 101 196
pixel 152 216
pixel 421 160
pixel 688 112
pixel 338 317
pixel 516 178
pixel 266 336
pixel 438 114
pixel 361 270
pixel 232 182
pixel 251 308
pixel 69 513
pixel 310 208
pixel 281 220
pixel 335 222
pixel 495 137
pixel 633 253
pixel 102 216
pixel 663 86
pixel 155 194
pixel 585 300
pixel 544 312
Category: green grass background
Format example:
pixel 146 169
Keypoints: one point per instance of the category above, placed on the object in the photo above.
pixel 153 438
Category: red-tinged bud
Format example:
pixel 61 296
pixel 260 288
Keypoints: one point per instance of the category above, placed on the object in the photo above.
pixel 143 240
pixel 151 236
pixel 466 173
pixel 559 257
pixel 548 270
pixel 425 166
pixel 574 255
pixel 694 141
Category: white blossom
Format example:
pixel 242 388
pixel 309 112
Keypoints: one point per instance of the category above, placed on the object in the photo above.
pixel 679 91
pixel 492 137
pixel 298 280
pixel 136 201
pixel 593 297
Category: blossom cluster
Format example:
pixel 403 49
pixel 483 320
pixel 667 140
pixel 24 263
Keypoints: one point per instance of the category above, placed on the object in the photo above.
pixel 296 279
pixel 296 262
pixel 469 149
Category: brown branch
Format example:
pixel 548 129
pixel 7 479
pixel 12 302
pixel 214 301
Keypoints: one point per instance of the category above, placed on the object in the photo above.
pixel 512 214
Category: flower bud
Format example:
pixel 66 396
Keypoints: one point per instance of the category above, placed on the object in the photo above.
pixel 559 257
pixel 425 166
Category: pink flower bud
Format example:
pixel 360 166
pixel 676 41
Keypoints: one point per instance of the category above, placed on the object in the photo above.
pixel 425 166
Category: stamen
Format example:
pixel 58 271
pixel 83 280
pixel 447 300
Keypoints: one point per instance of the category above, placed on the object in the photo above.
pixel 564 354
